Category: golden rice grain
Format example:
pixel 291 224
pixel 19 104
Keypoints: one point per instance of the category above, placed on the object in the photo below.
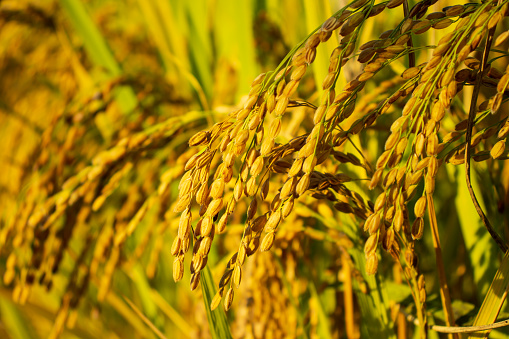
pixel 325 35
pixel 372 264
pixel 432 144
pixel 267 146
pixel 410 73
pixel 441 49
pixel 328 81
pixel 464 52
pixel 313 41
pixel 388 239
pixel 375 179
pixel 216 300
pixel 380 201
pixel 238 190
pixel 423 163
pixel 303 184
pixel 204 248
pixel 257 166
pixel 420 207
pixel 287 207
pixel 391 140
pixel 237 276
pixel 228 299
pixel 418 229
pixel 358 4
pixel 462 125
pixel 176 246
pixel 221 224
pixel 420 142
pixel 265 189
pixel 501 38
pixel 251 187
pixel 494 20
pixel 416 177
pixel 217 188
pixel 481 20
pixel 370 245
pixel 497 101
pixel 498 149
pixel 374 225
pixel 454 10
pixel 401 145
pixel 502 84
pixel 421 26
pixel 394 3
pixel 444 23
pixel 382 159
pixel 259 223
pixel 182 203
pixel 195 280
pixel 389 179
pixel 365 76
pixel 178 269
pixel 399 219
pixel 309 164
pixel 207 225
pixel 267 242
pixel 429 183
pixel 273 220
pixel 215 206
pixel 352 23
pixel 435 15
pixel 504 131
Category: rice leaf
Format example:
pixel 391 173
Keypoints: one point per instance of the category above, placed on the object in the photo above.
pixel 131 317
pixel 218 324
pixel 200 47
pixel 13 321
pixel 234 40
pixel 480 247
pixel 143 287
pixel 298 311
pixel 98 50
pixel 171 313
pixel 145 319
pixel 494 299
pixel 323 321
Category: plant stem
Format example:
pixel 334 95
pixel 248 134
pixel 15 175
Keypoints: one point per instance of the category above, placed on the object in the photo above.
pixel 471 116
pixel 410 44
pixel 444 289
pixel 348 297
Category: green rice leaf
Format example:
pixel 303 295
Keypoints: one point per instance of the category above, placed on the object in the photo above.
pixel 218 324
pixel 13 321
pixel 480 247
pixel 494 299
pixel 98 50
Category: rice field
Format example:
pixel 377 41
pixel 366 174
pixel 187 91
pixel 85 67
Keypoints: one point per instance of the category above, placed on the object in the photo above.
pixel 254 169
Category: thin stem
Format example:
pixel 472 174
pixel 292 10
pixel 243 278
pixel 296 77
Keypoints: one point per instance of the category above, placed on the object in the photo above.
pixel 444 289
pixel 410 44
pixel 348 297
pixel 457 329
pixel 471 117
pixel 470 329
pixel 401 321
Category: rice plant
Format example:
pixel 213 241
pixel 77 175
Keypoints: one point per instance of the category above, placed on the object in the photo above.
pixel 357 188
